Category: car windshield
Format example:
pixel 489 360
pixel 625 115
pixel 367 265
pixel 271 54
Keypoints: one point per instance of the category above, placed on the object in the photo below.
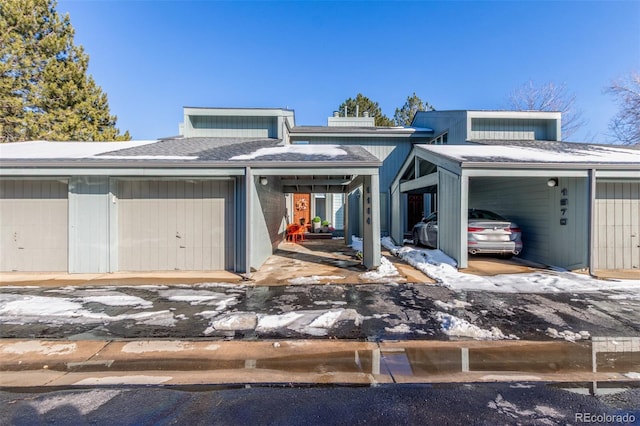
pixel 432 217
pixel 484 214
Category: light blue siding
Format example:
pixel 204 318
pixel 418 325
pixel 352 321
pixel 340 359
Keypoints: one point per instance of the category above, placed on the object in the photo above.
pixel 454 122
pixel 241 229
pixel 239 127
pixel 449 217
pixel 268 219
pixel 511 129
pixel 392 152
pixel 89 224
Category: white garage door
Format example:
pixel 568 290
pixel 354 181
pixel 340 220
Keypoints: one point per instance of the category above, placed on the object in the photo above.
pixel 617 219
pixel 175 225
pixel 33 223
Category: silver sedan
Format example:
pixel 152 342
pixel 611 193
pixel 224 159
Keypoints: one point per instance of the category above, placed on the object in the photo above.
pixel 487 232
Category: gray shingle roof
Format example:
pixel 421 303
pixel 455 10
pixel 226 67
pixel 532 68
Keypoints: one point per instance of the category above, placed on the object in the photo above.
pixel 225 149
pixel 216 152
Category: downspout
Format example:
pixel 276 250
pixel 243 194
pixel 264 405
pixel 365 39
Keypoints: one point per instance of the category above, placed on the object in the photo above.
pixel 247 220
pixel 592 221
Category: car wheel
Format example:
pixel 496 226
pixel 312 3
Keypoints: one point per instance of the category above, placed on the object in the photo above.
pixel 416 240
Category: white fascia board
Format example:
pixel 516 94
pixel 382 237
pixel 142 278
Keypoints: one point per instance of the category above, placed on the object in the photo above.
pixel 120 172
pixel 421 182
pixel 334 171
pixel 408 162
pixel 529 115
pixel 438 160
pixel 524 172
pixel 617 174
pixel 240 112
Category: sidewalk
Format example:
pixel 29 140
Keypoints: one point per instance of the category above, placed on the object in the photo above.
pixel 30 363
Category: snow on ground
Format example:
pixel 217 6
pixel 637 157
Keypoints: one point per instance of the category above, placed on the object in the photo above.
pixel 633 375
pixel 156 346
pixel 199 297
pixel 24 309
pixel 385 273
pixel 45 348
pixel 315 279
pixel 106 297
pixel 84 403
pixel 567 334
pixel 457 327
pixel 442 269
pixel 400 328
pixel 456 304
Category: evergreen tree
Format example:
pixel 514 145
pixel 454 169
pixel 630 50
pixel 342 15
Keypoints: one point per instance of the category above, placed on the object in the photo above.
pixel 365 104
pixel 45 91
pixel 404 116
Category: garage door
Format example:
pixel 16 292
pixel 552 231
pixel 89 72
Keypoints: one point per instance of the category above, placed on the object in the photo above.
pixel 617 219
pixel 33 223
pixel 175 225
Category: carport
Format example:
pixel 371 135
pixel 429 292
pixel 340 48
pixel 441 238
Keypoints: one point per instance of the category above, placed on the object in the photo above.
pixel 577 204
pixel 293 169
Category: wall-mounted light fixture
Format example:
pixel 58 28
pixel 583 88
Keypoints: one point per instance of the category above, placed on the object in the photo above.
pixel 552 182
pixel 264 181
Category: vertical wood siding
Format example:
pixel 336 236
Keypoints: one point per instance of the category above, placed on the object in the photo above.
pixel 617 225
pixel 510 129
pixel 268 222
pixel 449 194
pixel 238 127
pixel 175 225
pixel 33 225
pixel 89 224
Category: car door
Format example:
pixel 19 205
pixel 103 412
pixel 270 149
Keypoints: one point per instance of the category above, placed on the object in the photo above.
pixel 432 229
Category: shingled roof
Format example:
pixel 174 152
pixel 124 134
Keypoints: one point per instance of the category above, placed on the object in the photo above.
pixel 216 152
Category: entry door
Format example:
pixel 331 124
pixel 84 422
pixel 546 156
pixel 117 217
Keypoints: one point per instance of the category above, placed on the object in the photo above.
pixel 301 208
pixel 175 225
pixel 617 220
pixel 415 210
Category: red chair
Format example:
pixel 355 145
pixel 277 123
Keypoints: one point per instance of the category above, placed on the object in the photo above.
pixel 293 233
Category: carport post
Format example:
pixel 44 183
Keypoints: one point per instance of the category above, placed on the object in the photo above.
pixel 463 262
pixel 371 218
pixel 591 216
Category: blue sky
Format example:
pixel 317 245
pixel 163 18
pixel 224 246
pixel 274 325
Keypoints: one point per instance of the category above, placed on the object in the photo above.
pixel 154 57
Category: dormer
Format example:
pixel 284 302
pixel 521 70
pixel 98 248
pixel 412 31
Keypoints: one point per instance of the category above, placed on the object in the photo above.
pixel 236 122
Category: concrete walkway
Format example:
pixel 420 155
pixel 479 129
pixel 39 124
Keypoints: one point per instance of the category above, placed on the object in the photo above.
pixel 29 363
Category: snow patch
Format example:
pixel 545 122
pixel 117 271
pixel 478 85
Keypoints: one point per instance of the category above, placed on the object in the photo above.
pixel 83 402
pixel 400 328
pixel 456 304
pixel 632 375
pixel 567 335
pixel 21 348
pixel 458 327
pixel 315 279
pixel 386 272
pixel 156 346
pixel 199 297
pixel 324 150
pixel 441 268
pixel 123 380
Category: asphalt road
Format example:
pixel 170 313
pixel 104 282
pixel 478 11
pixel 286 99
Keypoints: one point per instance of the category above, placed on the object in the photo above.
pixel 369 312
pixel 468 404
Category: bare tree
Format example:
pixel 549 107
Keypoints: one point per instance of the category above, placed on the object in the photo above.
pixel 626 124
pixel 549 97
